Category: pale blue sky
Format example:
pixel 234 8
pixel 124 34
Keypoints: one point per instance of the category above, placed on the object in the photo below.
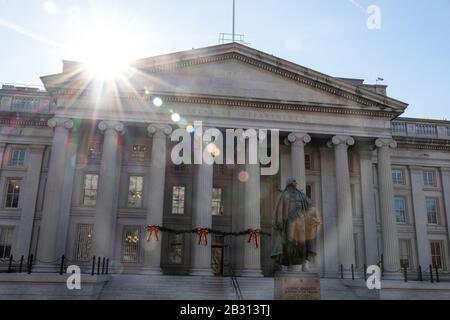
pixel 411 51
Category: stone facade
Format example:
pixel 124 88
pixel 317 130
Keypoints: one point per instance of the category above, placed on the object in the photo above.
pixel 341 139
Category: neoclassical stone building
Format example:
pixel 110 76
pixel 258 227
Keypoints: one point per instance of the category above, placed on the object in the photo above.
pixel 84 168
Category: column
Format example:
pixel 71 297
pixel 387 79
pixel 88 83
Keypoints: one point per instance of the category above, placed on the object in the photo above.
pixel 252 217
pixel 298 171
pixel 346 243
pixel 330 237
pixel 202 218
pixel 420 217
pixel 22 247
pixel 391 258
pixel 106 211
pixel 46 253
pixel 156 175
pixel 445 176
pixel 66 197
pixel 368 205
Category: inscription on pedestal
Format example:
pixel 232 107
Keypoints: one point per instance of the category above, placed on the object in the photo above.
pixel 297 287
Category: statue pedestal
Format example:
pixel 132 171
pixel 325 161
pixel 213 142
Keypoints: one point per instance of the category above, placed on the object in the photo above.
pixel 293 285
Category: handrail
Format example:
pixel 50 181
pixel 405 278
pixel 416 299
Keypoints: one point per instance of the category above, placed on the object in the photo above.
pixel 236 287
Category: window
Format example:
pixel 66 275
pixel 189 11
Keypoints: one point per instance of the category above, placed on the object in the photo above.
pixel 176 242
pixel 130 244
pixel 138 152
pixel 94 148
pixel 447 130
pixel 436 254
pixel 17 157
pixel 178 193
pixel 83 243
pixel 217 202
pixel 135 188
pixel 24 104
pixel 90 189
pixel 309 191
pixel 432 211
pixel 428 178
pixel 13 193
pixel 405 253
pixel 398 177
pixel 6 238
pixel 179 168
pixel 308 163
pixel 400 210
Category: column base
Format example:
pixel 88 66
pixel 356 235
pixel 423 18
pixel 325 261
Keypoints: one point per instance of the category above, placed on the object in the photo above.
pixel 201 272
pixel 151 271
pixel 251 273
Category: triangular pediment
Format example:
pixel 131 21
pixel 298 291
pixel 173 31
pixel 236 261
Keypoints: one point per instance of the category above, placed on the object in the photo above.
pixel 234 70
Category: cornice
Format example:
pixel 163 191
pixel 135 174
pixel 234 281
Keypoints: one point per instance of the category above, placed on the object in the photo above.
pixel 423 144
pixel 238 102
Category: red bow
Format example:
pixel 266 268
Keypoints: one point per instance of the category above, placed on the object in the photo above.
pixel 202 234
pixel 151 229
pixel 253 235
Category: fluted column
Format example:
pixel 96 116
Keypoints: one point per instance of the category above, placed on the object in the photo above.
pixel 202 218
pixel 344 201
pixel 298 142
pixel 155 197
pixel 252 217
pixel 368 204
pixel 46 253
pixel 106 211
pixel 22 247
pixel 391 258
pixel 445 176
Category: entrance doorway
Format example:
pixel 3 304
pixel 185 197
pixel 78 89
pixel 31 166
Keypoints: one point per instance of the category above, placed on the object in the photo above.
pixel 217 255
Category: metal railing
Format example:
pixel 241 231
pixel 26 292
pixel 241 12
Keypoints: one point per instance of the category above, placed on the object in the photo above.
pixel 96 266
pixel 236 287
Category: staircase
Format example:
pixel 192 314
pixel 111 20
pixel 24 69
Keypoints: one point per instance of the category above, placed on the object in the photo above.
pixel 167 287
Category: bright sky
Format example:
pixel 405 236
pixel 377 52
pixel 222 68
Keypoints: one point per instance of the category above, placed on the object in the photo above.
pixel 410 50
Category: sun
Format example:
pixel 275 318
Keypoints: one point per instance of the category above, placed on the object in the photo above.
pixel 106 50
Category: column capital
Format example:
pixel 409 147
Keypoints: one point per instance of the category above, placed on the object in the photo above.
pixel 66 123
pixel 390 143
pixel 159 128
pixel 115 126
pixel 299 138
pixel 341 140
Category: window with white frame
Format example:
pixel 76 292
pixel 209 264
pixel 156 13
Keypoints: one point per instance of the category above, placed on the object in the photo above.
pixel 400 210
pixel 176 248
pixel 83 242
pixel 13 193
pixel 6 239
pixel 398 177
pixel 428 178
pixel 437 258
pixel 130 243
pixel 217 202
pixel 138 152
pixel 17 157
pixel 178 196
pixel 135 188
pixel 90 189
pixel 432 210
pixel 405 253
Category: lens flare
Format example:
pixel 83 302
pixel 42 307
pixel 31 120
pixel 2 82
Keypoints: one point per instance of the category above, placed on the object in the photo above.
pixel 157 102
pixel 175 117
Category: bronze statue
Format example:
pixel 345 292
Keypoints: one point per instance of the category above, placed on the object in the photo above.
pixel 295 227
